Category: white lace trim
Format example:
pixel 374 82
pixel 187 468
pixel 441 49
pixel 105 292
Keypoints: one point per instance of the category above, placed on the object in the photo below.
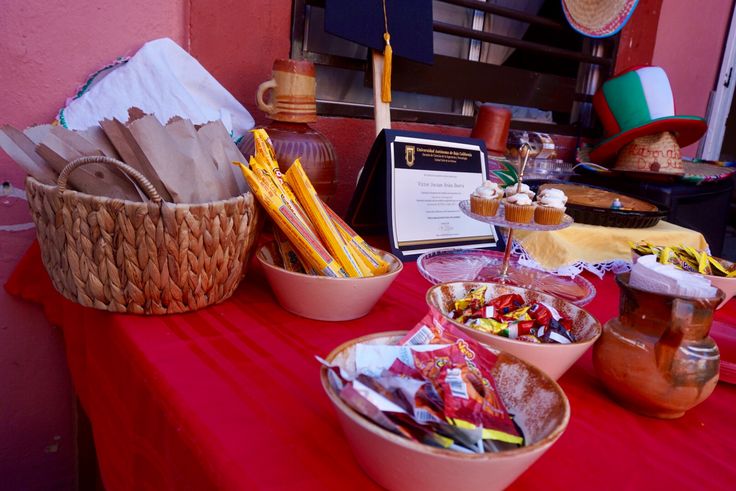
pixel 599 269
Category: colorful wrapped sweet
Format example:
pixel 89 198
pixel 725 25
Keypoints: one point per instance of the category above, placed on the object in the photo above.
pixel 509 316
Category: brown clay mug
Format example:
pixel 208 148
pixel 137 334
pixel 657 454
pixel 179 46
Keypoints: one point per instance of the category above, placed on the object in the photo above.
pixel 293 90
pixel 492 126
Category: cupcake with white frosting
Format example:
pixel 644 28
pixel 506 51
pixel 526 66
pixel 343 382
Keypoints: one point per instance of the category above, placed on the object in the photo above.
pixel 486 199
pixel 550 209
pixel 518 208
pixel 553 193
pixel 518 188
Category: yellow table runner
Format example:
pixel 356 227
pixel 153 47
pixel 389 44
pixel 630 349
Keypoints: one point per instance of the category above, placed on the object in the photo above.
pixel 594 245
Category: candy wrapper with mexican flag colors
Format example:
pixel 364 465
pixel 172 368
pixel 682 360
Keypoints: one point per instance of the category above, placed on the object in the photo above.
pixel 435 386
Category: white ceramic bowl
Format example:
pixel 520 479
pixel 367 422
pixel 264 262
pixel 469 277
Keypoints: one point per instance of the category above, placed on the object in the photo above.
pixel 554 359
pixel 324 298
pixel 539 406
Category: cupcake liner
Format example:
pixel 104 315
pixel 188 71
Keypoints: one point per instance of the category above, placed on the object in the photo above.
pixel 547 215
pixel 484 206
pixel 518 213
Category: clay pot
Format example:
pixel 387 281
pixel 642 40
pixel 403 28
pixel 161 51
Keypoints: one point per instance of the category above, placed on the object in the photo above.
pixel 291 105
pixel 656 358
pixel 492 126
pixel 314 151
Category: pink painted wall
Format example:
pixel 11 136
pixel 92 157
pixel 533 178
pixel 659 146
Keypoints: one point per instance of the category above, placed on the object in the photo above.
pixel 47 49
pixel 689 45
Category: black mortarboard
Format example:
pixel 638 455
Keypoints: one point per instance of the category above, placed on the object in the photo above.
pixel 361 21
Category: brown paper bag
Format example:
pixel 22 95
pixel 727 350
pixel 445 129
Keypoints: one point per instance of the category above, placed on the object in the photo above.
pixel 155 147
pixel 217 142
pixel 38 133
pixel 22 150
pixel 200 165
pixel 97 137
pixel 131 154
pixel 61 146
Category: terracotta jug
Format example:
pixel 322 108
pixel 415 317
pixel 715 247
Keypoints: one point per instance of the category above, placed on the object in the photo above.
pixel 656 358
pixel 291 105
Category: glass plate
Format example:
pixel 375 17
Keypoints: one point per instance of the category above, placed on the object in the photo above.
pixel 479 265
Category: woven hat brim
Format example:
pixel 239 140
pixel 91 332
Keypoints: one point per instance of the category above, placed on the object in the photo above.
pixel 687 130
pixel 610 28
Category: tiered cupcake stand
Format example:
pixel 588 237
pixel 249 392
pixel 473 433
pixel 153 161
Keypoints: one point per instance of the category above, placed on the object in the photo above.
pixel 480 265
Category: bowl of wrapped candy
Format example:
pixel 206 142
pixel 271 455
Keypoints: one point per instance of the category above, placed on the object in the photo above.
pixel 720 272
pixel 544 330
pixel 433 409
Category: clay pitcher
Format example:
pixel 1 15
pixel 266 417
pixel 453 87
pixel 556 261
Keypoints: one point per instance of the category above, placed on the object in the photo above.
pixel 289 100
pixel 656 358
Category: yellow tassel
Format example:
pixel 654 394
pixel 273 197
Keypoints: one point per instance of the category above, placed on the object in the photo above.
pixel 387 56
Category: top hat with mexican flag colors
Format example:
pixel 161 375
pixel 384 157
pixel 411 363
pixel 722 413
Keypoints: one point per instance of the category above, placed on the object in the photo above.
pixel 636 103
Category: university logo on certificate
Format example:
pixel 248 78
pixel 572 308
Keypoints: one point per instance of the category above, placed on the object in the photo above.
pixel 426 177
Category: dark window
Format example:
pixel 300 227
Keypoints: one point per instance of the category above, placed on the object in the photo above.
pixel 520 53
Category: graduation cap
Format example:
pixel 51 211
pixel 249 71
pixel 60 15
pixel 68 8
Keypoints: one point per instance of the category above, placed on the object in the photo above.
pixel 401 27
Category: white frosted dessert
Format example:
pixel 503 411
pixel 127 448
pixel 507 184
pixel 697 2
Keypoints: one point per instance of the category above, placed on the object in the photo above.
pixel 486 199
pixel 518 189
pixel 553 193
pixel 519 208
pixel 550 207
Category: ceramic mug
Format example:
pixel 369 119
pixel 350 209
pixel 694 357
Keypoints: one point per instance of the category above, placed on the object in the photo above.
pixel 492 126
pixel 293 90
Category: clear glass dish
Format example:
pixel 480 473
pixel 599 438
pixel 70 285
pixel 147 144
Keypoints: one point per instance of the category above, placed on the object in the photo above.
pixel 481 265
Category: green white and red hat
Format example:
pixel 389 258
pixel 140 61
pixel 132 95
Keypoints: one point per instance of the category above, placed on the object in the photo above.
pixel 639 102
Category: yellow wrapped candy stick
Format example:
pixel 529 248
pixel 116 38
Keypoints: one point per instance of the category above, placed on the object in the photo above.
pixel 687 258
pixel 362 250
pixel 262 144
pixel 289 257
pixel 277 187
pixel 306 242
pixel 297 179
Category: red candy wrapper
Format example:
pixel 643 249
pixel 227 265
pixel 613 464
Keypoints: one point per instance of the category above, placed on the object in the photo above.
pixel 461 374
pixel 507 303
pixel 508 315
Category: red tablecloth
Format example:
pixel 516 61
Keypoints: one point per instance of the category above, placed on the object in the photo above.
pixel 229 397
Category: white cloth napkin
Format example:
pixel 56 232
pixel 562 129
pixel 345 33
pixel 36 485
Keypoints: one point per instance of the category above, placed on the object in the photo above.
pixel 161 79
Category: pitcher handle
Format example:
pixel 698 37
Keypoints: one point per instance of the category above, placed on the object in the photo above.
pixel 265 86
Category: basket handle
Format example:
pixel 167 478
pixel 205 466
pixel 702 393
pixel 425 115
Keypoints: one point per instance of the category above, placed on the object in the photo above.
pixel 139 178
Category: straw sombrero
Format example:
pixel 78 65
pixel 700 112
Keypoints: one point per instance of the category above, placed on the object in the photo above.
pixel 598 18
pixel 637 103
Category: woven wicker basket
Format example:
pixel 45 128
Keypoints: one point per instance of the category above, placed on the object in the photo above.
pixel 150 257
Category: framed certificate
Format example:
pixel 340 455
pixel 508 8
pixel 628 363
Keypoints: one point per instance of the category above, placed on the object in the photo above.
pixel 424 177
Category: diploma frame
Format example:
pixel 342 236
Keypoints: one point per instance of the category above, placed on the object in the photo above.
pixel 384 195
